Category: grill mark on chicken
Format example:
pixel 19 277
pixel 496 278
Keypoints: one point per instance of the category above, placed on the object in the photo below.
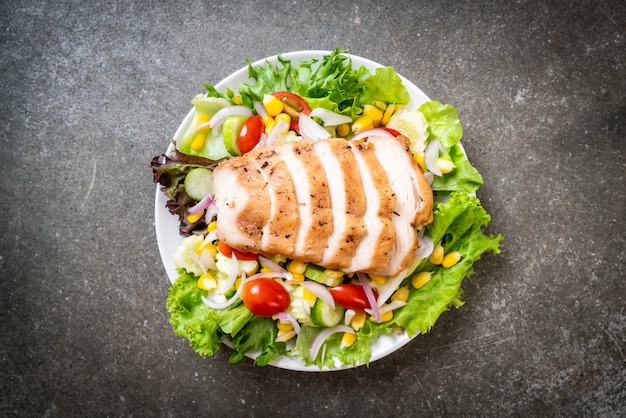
pixel 374 248
pixel 279 232
pixel 397 161
pixel 311 189
pixel 347 202
pixel 245 206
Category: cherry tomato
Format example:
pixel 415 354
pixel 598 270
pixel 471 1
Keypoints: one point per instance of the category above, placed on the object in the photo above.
pixel 294 105
pixel 229 251
pixel 265 297
pixel 351 296
pixel 391 131
pixel 250 134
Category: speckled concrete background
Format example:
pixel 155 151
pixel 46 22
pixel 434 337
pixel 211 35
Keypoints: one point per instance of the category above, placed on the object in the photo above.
pixel 90 91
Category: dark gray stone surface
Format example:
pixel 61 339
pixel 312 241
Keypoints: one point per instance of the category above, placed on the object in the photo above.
pixel 90 91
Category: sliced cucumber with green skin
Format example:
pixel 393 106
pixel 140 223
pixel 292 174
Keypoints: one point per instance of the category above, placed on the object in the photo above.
pixel 199 183
pixel 230 130
pixel 317 274
pixel 324 315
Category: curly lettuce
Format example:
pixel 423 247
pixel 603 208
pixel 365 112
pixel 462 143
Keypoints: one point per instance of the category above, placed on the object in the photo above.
pixel 458 225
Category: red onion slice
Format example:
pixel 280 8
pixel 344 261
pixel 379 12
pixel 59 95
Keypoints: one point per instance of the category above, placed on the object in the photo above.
pixel 233 273
pixel 309 129
pixel 276 268
pixel 323 336
pixel 370 132
pixel 211 212
pixel 286 336
pixel 201 205
pixel 347 318
pixel 199 262
pixel 389 287
pixel 425 247
pixel 370 295
pixel 320 291
pixel 392 306
pixel 221 115
pixel 212 301
pixel 278 129
pixel 329 117
pixel 259 108
pixel 431 153
pixel 284 316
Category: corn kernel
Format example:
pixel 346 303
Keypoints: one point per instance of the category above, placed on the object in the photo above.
pixel 358 320
pixel 335 274
pixel 431 218
pixel 420 279
pixel 193 218
pixel 444 165
pixel 285 336
pixel 202 246
pixel 348 339
pixel 361 124
pixel 378 279
pixel 343 130
pixel 267 120
pixel 207 282
pixel 283 326
pixel 384 317
pixel 379 104
pixel 237 282
pixel 198 141
pixel 269 127
pixel 295 266
pixel 436 257
pixel 451 259
pixel 419 157
pixel 272 105
pixel 373 113
pixel 266 270
pixel 402 294
pixel 201 120
pixel 309 297
pixel 283 117
pixel 388 113
pixel 212 226
pixel 297 277
pixel 237 100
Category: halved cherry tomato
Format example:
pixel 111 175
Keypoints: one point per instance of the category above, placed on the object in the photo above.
pixel 293 106
pixel 250 134
pixel 391 131
pixel 228 251
pixel 265 297
pixel 351 296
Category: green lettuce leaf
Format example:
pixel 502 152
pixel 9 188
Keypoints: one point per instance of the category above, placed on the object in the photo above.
pixel 385 85
pixel 458 224
pixel 464 177
pixel 443 122
pixel 190 317
pixel 259 333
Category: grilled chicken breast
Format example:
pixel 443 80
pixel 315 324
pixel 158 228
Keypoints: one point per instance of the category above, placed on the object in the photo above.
pixel 348 205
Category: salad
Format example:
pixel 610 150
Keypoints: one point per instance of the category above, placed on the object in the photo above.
pixel 269 309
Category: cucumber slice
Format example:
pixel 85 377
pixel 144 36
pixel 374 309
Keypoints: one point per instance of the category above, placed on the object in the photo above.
pixel 316 273
pixel 323 315
pixel 230 130
pixel 199 183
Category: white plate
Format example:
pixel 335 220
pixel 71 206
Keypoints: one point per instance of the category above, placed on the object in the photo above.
pixel 168 238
